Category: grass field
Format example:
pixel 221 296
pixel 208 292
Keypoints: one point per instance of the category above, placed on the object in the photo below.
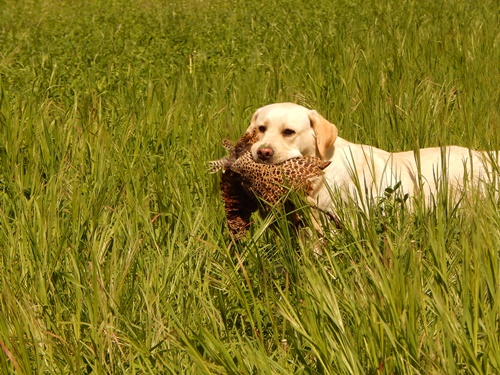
pixel 114 255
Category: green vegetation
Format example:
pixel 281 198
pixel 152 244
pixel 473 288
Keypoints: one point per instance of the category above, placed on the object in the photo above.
pixel 114 256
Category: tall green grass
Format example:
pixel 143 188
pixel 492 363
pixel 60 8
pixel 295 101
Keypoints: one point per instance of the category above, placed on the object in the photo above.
pixel 114 253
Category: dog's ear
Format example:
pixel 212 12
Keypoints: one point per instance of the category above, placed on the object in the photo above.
pixel 251 128
pixel 326 133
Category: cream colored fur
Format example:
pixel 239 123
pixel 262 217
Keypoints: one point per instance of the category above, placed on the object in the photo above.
pixel 358 171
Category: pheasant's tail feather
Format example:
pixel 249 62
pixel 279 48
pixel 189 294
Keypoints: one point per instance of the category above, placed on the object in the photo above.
pixel 215 166
pixel 227 144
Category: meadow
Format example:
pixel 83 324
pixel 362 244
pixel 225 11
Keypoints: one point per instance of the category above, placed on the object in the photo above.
pixel 114 252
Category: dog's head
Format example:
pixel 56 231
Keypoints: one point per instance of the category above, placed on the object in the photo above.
pixel 287 130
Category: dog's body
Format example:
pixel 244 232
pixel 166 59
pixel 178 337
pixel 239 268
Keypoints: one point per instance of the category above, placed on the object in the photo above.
pixel 360 172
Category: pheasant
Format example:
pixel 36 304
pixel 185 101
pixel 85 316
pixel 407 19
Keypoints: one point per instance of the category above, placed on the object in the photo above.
pixel 245 183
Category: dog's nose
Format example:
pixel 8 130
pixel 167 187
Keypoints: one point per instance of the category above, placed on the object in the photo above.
pixel 264 153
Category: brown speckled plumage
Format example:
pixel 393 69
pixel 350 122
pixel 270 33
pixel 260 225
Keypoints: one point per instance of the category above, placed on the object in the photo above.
pixel 244 182
pixel 271 182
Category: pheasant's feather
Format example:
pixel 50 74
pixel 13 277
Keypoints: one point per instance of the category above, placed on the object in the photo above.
pixel 215 166
pixel 228 145
pixel 245 181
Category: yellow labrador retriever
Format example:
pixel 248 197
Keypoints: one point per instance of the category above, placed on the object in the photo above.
pixel 361 172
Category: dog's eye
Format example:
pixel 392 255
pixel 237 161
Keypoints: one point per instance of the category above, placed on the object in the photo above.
pixel 288 132
pixel 262 128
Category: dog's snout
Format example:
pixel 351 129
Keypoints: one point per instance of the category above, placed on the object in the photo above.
pixel 264 153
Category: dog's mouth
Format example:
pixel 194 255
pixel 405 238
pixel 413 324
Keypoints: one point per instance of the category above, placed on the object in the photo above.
pixel 265 153
pixel 275 160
